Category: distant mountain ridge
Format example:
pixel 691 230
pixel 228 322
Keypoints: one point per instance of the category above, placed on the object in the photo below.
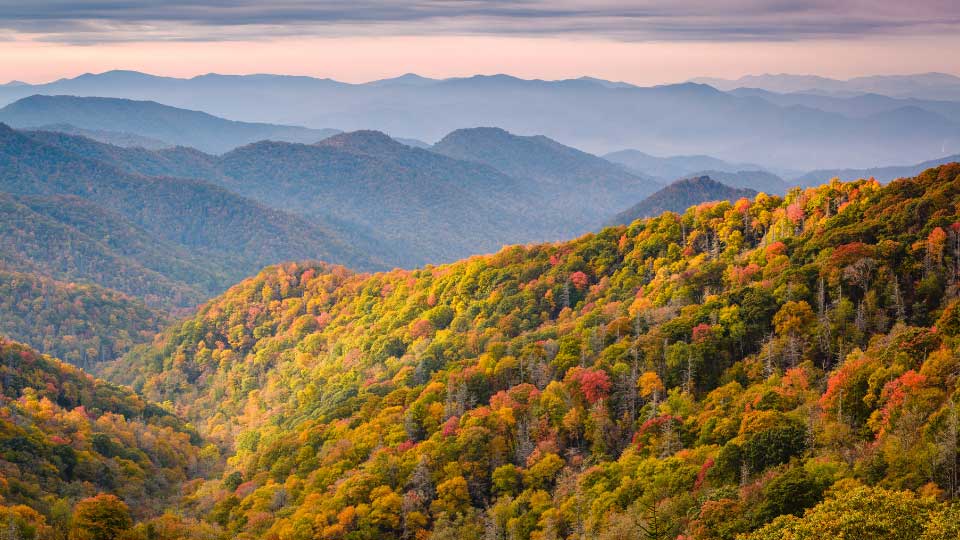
pixel 168 125
pixel 117 138
pixel 757 181
pixel 853 106
pixel 671 168
pixel 939 86
pixel 596 116
pixel 581 187
pixel 882 174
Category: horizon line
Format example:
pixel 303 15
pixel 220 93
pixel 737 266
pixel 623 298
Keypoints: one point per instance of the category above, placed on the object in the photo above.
pixel 410 74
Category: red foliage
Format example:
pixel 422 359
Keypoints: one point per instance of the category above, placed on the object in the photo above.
pixel 421 328
pixel 896 392
pixel 744 275
pixel 795 213
pixel 776 248
pixel 524 395
pixel 702 474
pixel 840 379
pixel 451 426
pixel 579 280
pixel 701 332
pixel 594 384
pixel 850 253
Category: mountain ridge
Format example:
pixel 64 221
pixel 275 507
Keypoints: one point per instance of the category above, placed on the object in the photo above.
pixel 677 119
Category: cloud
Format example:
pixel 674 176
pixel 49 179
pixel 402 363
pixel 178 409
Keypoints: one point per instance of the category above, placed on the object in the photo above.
pixel 97 21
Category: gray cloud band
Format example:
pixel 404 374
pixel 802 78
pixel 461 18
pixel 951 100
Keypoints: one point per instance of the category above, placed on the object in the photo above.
pixel 683 20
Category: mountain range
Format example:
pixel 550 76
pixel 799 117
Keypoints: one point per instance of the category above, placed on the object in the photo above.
pixel 592 115
pixel 168 240
pixel 926 86
pixel 883 174
pixel 673 167
pixel 109 120
pixel 379 192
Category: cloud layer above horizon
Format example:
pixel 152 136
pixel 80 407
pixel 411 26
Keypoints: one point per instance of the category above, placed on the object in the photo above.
pixel 106 21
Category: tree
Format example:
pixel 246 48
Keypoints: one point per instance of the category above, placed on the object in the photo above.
pixel 103 517
pixel 453 496
pixel 858 512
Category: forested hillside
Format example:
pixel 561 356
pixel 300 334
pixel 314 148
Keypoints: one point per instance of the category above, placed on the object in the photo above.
pixel 700 376
pixel 73 214
pixel 582 188
pixel 78 323
pixel 476 191
pixel 427 206
pixel 78 455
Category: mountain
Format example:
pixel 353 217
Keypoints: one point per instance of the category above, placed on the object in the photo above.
pixel 581 186
pixel 933 86
pixel 882 174
pixel 408 206
pixel 681 195
pixel 759 181
pixel 83 242
pixel 672 167
pixel 858 106
pixel 597 117
pixel 711 374
pixel 115 138
pixel 168 126
pixel 78 323
pixel 431 207
pixel 164 239
pixel 66 437
pixel 416 143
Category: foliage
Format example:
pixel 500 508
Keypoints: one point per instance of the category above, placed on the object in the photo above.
pixel 80 324
pixel 717 373
pixel 65 435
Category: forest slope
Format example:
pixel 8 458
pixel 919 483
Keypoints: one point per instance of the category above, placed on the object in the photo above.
pixel 695 374
pixel 78 323
pixel 65 436
pixel 182 239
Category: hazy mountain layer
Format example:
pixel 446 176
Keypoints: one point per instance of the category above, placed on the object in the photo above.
pixel 162 239
pixel 588 114
pixel 168 125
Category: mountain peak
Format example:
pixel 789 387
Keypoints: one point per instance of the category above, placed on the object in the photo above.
pixel 680 195
pixel 475 133
pixel 409 79
pixel 364 141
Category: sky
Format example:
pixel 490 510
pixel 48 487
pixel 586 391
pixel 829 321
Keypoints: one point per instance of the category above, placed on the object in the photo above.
pixel 638 41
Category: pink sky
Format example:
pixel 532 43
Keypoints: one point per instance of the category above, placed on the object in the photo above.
pixel 363 58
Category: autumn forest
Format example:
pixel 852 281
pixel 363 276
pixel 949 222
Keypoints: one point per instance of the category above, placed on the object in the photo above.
pixel 485 270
